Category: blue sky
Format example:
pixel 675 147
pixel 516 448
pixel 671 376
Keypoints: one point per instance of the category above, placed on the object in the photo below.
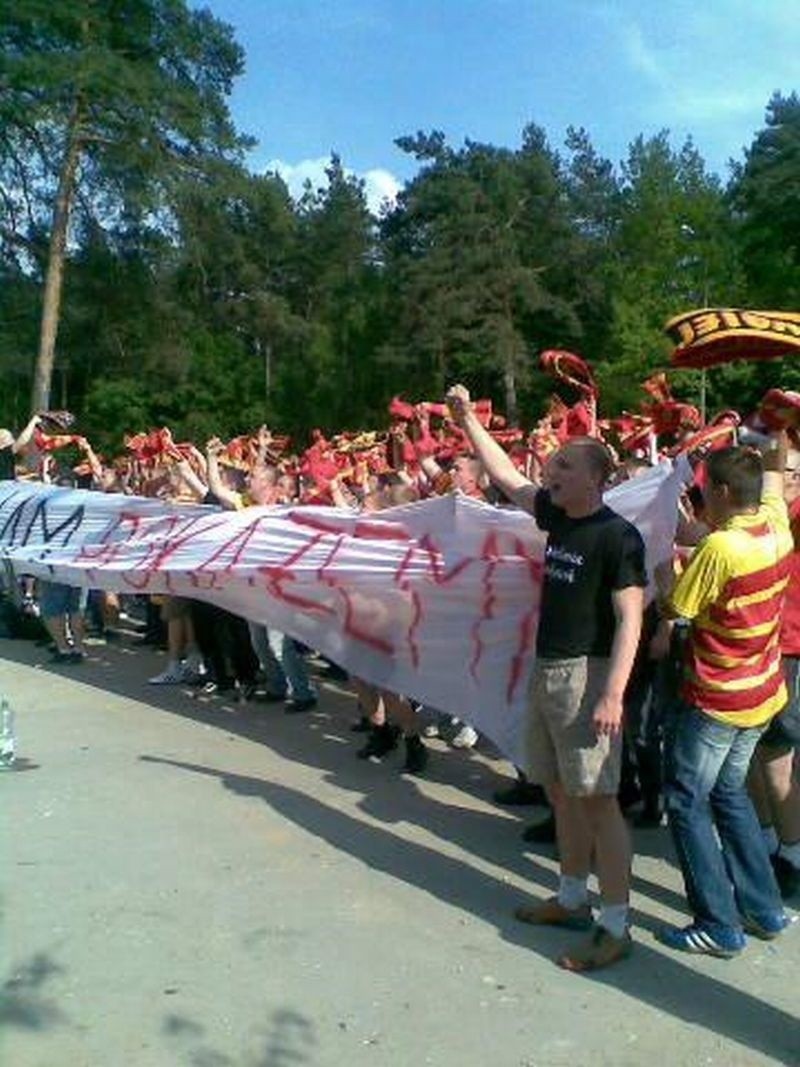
pixel 351 75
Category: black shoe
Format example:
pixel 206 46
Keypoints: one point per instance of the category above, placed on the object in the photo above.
pixel 361 726
pixel 334 673
pixel 296 707
pixel 416 755
pixel 269 698
pixel 649 817
pixel 629 794
pixel 520 793
pixel 382 740
pixel 153 638
pixel 62 657
pixel 541 833
pixel 786 875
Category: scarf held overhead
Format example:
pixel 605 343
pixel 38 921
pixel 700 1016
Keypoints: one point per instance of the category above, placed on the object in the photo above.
pixel 721 335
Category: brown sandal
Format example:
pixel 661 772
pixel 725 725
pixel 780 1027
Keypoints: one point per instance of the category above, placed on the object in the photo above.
pixel 551 913
pixel 601 950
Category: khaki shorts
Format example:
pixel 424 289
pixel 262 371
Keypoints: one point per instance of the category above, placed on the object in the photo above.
pixel 561 743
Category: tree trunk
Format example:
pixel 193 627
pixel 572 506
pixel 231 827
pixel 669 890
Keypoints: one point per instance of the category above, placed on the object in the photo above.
pixel 51 302
pixel 510 388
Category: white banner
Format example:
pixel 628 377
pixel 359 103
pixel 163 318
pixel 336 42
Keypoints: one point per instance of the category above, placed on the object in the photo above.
pixel 437 600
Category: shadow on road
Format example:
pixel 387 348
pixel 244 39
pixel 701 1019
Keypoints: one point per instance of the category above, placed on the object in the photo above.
pixel 23 1002
pixel 289 1041
pixel 653 978
pixel 323 741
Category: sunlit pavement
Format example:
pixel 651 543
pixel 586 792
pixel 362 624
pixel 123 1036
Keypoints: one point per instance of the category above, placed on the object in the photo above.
pixel 191 881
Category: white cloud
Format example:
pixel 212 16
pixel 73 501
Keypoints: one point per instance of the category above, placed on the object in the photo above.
pixel 640 56
pixel 710 75
pixel 380 185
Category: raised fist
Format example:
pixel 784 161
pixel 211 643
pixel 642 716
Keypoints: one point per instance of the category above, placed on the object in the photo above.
pixel 458 401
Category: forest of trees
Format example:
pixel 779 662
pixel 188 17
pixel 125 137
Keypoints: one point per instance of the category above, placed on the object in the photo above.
pixel 147 277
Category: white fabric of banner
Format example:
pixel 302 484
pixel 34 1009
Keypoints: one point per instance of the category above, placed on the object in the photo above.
pixel 437 600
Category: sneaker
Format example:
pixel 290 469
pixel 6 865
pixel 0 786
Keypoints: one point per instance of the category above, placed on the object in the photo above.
pixel 296 707
pixel 552 913
pixel 766 929
pixel 466 737
pixel 787 876
pixel 416 755
pixel 430 730
pixel 173 674
pixel 697 940
pixel 541 833
pixel 193 672
pixel 601 950
pixel 519 794
pixel 382 740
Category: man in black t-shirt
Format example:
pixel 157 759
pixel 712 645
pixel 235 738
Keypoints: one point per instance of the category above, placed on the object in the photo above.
pixel 589 626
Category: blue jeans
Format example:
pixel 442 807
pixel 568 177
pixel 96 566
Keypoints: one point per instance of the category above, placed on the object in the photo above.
pixel 723 857
pixel 284 668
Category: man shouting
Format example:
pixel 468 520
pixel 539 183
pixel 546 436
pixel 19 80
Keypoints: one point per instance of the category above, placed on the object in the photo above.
pixel 589 627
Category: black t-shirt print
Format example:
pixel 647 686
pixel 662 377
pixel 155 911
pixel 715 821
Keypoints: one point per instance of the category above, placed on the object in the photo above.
pixel 586 560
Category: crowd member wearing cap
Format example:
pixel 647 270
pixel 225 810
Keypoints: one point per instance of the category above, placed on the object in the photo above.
pixel 589 627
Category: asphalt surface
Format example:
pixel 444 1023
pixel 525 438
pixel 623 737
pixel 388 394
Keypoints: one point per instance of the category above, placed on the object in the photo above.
pixel 193 882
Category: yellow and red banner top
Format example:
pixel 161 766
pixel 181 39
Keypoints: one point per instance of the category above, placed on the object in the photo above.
pixel 709 336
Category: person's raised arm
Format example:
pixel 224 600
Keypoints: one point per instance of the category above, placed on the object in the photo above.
pixel 191 478
pixel 26 435
pixel 496 462
pixel 95 465
pixel 775 463
pixel 226 498
pixel 263 442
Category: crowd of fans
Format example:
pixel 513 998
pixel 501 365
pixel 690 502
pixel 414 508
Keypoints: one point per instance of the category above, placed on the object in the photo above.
pixel 675 706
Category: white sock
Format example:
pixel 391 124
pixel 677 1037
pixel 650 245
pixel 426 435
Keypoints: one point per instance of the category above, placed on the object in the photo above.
pixel 790 853
pixel 614 918
pixel 770 839
pixel 572 892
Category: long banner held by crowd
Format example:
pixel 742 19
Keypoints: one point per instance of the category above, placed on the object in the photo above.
pixel 437 600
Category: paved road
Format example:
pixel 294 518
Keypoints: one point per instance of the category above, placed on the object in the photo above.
pixel 187 883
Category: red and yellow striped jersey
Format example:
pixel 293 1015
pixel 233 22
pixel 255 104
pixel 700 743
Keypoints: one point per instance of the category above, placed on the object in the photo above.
pixel 733 591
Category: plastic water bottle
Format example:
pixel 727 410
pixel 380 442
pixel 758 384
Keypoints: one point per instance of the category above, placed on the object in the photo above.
pixel 8 740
